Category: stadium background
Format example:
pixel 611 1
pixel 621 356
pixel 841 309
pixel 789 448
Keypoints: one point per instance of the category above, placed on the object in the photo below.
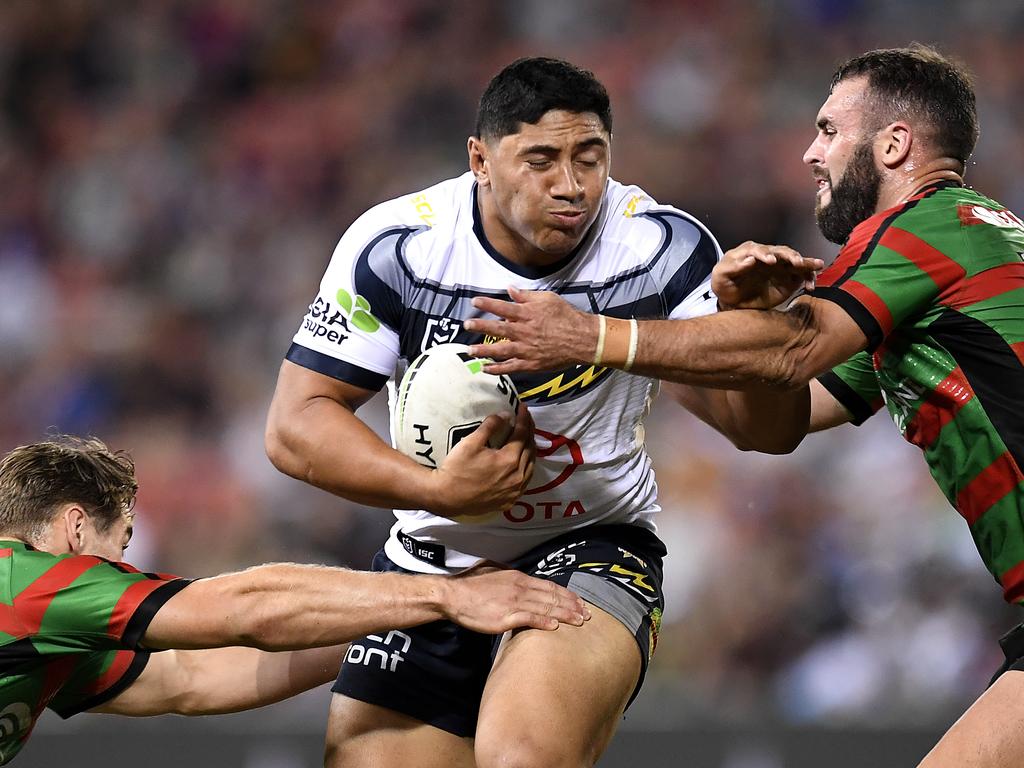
pixel 175 176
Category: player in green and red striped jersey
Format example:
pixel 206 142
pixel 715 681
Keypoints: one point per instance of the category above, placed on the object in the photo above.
pixel 78 628
pixel 923 307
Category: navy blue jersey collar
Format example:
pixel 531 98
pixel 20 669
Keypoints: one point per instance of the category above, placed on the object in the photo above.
pixel 533 273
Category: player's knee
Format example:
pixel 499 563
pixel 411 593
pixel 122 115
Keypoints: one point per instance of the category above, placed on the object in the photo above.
pixel 518 752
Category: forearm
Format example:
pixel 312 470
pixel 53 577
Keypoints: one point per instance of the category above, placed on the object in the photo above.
pixel 286 606
pixel 235 679
pixel 220 680
pixel 325 444
pixel 740 349
pixel 757 419
pixel 729 350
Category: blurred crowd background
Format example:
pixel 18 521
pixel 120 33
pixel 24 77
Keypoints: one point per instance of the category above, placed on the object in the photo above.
pixel 176 174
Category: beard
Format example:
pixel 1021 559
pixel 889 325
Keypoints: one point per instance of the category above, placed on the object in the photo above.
pixel 854 198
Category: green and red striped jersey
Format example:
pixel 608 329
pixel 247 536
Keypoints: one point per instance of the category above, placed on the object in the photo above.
pixel 70 628
pixel 937 286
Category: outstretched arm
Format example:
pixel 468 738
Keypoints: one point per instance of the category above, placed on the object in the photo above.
pixel 219 680
pixel 286 606
pixel 311 610
pixel 751 346
pixel 744 372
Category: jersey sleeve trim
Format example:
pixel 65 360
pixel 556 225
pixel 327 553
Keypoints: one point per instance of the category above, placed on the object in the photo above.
pixel 695 269
pixel 847 397
pixel 138 663
pixel 386 250
pixel 143 615
pixel 335 368
pixel 857 310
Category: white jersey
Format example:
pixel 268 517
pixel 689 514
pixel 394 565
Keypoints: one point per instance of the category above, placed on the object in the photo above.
pixel 401 280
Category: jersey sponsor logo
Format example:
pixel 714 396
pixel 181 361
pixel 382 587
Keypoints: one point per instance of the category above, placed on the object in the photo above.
pixel 357 309
pixel 525 510
pixel 554 444
pixel 334 321
pixel 388 660
pixel 325 321
pixel 900 400
pixel 634 201
pixel 979 214
pixel 426 551
pixel 424 211
pixel 439 330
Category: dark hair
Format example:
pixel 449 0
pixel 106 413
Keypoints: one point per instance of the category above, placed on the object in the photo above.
pixel 527 89
pixel 35 480
pixel 919 83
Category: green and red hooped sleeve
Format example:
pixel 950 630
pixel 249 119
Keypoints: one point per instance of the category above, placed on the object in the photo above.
pixel 98 678
pixel 140 602
pixel 86 603
pixel 854 385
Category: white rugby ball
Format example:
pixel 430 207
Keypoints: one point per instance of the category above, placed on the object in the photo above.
pixel 444 396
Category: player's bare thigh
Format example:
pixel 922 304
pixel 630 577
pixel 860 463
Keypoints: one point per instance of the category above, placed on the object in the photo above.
pixel 361 735
pixel 990 734
pixel 554 699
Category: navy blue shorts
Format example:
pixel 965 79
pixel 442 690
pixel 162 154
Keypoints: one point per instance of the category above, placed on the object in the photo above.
pixel 436 672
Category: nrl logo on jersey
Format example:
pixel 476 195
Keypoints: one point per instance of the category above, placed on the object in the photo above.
pixel 439 330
